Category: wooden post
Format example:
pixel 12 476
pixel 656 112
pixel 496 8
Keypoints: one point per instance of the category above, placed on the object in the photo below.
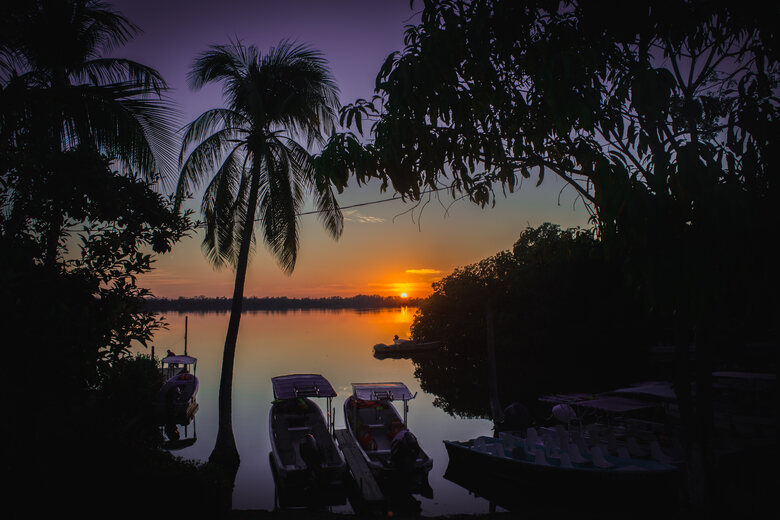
pixel 185 335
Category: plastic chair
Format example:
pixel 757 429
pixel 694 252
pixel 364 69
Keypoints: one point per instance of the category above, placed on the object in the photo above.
pixel 612 447
pixel 575 455
pixel 635 449
pixel 565 461
pixel 563 434
pixel 531 440
pixel 539 458
pixel 599 460
pixel 583 447
pixel 657 453
pixel 507 440
pixel 550 441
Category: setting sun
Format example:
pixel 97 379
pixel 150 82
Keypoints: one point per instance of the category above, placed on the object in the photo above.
pixel 404 295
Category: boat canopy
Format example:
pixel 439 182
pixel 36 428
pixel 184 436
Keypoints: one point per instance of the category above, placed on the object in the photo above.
pixel 658 389
pixel 616 404
pixel 181 360
pixel 380 391
pixel 301 385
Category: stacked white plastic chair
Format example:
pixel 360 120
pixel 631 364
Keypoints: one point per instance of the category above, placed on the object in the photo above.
pixel 635 449
pixel 599 460
pixel 657 453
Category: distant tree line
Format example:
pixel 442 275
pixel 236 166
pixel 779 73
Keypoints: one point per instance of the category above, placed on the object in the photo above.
pixel 280 303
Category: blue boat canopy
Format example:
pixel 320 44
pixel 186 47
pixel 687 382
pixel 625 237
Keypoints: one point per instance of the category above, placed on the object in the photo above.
pixel 301 385
pixel 181 360
pixel 380 391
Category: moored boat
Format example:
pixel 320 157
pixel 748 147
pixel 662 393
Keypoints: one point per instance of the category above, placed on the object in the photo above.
pixel 520 474
pixel 390 450
pixel 402 347
pixel 175 401
pixel 304 454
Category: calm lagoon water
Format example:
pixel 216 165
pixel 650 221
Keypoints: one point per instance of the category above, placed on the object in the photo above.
pixel 337 344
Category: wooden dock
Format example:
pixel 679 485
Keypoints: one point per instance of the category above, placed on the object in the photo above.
pixel 366 483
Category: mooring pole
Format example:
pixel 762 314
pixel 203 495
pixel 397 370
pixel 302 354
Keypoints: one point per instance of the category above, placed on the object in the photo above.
pixel 185 335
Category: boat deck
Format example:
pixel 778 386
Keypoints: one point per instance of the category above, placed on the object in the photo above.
pixel 291 427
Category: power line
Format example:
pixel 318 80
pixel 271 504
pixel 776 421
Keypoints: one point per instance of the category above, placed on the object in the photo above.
pixel 394 197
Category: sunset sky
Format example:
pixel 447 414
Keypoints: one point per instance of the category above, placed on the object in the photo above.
pixel 386 248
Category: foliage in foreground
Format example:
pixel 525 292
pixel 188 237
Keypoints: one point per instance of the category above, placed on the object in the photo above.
pixel 562 323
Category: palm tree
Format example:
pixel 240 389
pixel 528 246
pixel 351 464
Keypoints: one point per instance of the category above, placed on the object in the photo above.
pixel 61 92
pixel 257 170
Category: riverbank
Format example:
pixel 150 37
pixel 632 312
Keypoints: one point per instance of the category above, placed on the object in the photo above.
pixel 579 514
pixel 320 515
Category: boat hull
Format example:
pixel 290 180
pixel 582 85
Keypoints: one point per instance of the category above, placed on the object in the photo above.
pixel 413 479
pixel 405 348
pixel 521 485
pixel 175 403
pixel 294 478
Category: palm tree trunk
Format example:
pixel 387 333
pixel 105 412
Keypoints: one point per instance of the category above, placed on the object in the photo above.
pixel 225 454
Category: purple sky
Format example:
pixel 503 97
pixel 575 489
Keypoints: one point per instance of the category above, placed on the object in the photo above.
pixel 354 35
pixel 385 249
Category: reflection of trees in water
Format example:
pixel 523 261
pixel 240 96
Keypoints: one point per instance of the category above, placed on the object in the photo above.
pixel 562 324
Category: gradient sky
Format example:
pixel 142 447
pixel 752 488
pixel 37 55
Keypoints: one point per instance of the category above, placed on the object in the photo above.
pixel 386 248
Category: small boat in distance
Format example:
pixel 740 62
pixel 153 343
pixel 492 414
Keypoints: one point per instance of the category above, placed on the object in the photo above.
pixel 305 460
pixel 404 347
pixel 175 401
pixel 390 450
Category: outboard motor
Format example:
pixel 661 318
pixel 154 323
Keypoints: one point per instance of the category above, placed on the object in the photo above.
pixel 404 450
pixel 311 455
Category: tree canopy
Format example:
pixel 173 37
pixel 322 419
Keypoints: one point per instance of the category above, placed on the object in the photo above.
pixel 662 117
pixel 563 322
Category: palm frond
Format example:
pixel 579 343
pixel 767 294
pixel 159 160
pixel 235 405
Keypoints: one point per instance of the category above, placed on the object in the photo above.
pixel 206 157
pixel 279 206
pixel 329 212
pixel 137 133
pixel 220 199
pixel 288 92
pixel 209 122
pixel 220 63
pixel 106 71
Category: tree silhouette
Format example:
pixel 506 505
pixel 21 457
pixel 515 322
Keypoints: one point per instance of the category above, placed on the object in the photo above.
pixel 663 119
pixel 257 171
pixel 61 92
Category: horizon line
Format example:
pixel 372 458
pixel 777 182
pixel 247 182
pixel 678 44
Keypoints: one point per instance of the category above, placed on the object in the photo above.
pixel 152 297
